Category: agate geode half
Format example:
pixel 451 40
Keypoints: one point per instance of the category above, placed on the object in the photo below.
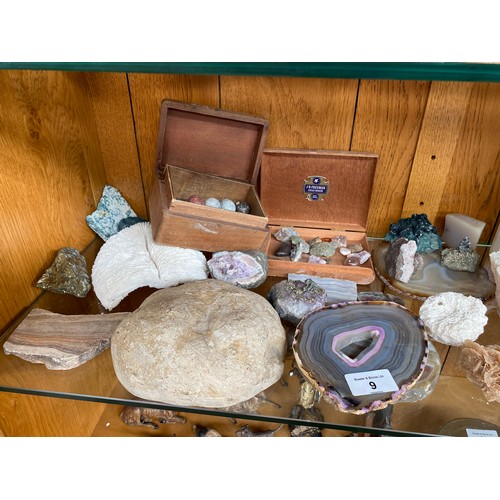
pixel 361 356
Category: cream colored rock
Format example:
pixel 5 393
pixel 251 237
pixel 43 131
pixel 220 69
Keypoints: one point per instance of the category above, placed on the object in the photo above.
pixel 495 271
pixel 206 343
pixel 452 318
pixel 131 259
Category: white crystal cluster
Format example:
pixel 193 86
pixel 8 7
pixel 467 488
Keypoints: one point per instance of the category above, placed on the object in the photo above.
pixel 495 270
pixel 452 318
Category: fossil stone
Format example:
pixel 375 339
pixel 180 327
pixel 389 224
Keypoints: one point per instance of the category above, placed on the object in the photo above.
pixel 245 268
pixel 59 341
pixel 341 346
pixel 400 259
pixel 131 259
pixel 293 299
pixel 68 274
pixel 481 365
pixel 206 343
pixel 111 210
pixel 452 318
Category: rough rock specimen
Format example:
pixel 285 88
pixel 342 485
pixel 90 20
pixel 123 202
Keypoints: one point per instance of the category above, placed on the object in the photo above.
pixel 285 233
pixel 495 271
pixel 452 318
pixel 68 274
pixel 418 228
pixel 206 343
pixel 293 299
pixel 131 259
pixel 463 258
pixel 346 349
pixel 245 268
pixel 59 341
pixel 337 290
pixel 299 246
pixel 482 367
pixel 145 417
pixel 111 210
pixel 400 259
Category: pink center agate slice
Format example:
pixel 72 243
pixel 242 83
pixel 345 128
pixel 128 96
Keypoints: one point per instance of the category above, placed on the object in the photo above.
pixel 370 338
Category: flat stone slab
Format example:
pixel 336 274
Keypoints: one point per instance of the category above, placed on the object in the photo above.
pixel 62 342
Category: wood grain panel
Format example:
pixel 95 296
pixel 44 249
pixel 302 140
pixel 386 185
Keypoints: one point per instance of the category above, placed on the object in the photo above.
pixel 310 113
pixel 473 183
pixel 109 96
pixel 35 416
pixel 442 126
pixel 147 91
pixel 52 174
pixel 388 119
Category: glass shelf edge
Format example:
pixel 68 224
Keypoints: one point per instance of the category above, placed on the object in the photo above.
pixel 444 71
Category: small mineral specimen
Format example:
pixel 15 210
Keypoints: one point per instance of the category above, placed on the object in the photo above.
pixel 145 417
pixel 352 260
pixel 111 209
pixel 337 290
pixel 363 256
pixel 460 259
pixel 344 251
pixel 322 249
pixel 313 259
pixel 245 268
pixel 213 202
pixel 293 299
pixel 242 207
pixel 195 198
pixel 285 233
pixel 418 228
pixel 284 249
pixel 299 246
pixel 227 204
pixel 482 367
pixel 452 318
pixel 400 259
pixel 355 247
pixel 495 271
pixel 68 274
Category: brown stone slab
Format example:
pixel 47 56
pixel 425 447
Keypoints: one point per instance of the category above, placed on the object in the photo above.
pixel 62 342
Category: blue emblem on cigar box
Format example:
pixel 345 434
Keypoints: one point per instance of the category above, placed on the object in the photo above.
pixel 316 187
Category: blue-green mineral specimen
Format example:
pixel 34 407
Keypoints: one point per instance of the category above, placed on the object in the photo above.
pixel 111 211
pixel 418 228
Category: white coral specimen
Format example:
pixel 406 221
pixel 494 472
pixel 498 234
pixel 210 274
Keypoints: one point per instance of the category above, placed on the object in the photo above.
pixel 452 318
pixel 131 259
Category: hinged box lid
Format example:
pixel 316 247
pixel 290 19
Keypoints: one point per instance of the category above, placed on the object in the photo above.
pixel 317 188
pixel 210 141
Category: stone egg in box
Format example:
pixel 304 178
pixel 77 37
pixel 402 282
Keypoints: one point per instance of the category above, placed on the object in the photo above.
pixel 320 198
pixel 210 155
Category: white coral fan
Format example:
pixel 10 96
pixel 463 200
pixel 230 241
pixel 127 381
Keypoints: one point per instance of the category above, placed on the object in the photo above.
pixel 131 259
pixel 452 318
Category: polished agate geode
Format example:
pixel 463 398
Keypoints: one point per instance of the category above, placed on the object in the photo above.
pixel 363 341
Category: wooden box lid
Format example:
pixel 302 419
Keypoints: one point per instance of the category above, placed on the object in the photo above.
pixel 317 188
pixel 210 141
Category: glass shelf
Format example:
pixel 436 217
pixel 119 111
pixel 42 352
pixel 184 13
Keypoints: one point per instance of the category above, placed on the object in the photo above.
pixel 95 381
pixel 474 72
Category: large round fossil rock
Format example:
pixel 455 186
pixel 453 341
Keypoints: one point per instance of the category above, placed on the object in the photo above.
pixel 204 343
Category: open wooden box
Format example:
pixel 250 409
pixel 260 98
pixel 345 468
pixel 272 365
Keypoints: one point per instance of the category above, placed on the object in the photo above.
pixel 318 193
pixel 211 153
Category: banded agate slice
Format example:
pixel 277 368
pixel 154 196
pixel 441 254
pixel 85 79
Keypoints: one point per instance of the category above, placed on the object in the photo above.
pixel 380 343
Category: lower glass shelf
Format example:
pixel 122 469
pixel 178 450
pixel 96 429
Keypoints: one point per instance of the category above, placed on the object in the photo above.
pixel 95 381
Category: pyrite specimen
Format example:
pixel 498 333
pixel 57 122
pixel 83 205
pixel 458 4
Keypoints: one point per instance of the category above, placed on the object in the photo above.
pixel 68 274
pixel 462 258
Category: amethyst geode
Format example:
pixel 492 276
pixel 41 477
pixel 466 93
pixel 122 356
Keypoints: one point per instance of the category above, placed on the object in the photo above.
pixel 244 268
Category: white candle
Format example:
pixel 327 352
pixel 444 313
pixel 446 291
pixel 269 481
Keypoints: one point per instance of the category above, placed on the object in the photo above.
pixel 457 226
